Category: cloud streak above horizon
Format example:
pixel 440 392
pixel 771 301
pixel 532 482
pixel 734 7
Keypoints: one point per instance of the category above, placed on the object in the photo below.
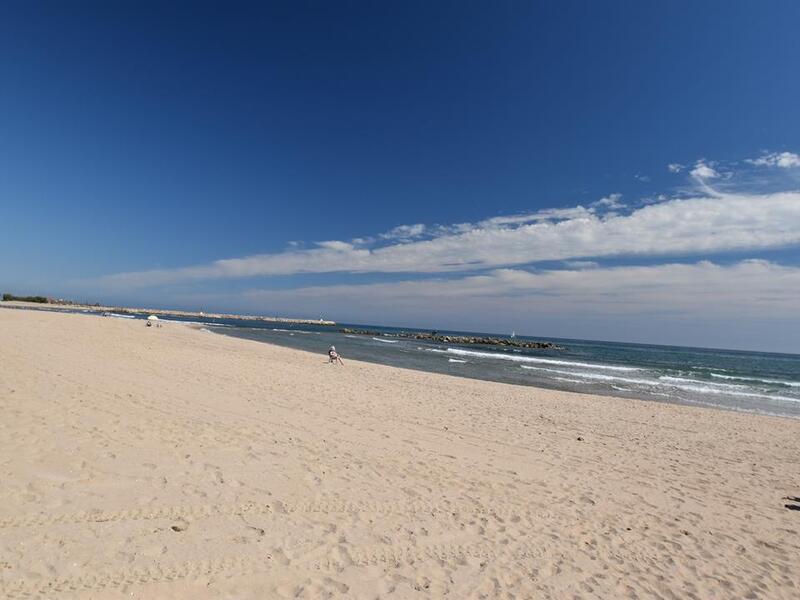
pixel 750 289
pixel 709 223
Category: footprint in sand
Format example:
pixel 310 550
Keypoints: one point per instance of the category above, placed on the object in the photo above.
pixel 180 526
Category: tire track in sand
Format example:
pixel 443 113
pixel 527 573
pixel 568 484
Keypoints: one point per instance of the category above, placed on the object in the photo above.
pixel 276 507
pixel 245 565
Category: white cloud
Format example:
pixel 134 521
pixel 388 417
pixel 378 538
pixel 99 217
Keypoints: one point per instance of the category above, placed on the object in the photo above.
pixel 675 167
pixel 612 201
pixel 335 246
pixel 581 264
pixel 784 160
pixel 703 171
pixel 550 214
pixel 404 232
pixel 788 160
pixel 693 226
pixel 750 289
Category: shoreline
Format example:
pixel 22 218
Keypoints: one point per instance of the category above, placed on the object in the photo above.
pixel 157 463
pixel 248 332
pixel 475 377
pixel 482 366
pixel 461 376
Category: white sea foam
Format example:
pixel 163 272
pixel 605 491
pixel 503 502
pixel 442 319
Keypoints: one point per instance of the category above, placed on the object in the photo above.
pixel 167 320
pixel 118 316
pixel 597 376
pixel 711 384
pixel 728 389
pixel 455 360
pixel 570 380
pixel 385 341
pixel 680 383
pixel 434 350
pixel 758 379
pixel 531 359
pixel 703 389
pixel 720 376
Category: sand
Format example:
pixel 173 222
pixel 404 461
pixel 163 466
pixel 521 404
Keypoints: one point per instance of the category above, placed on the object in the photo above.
pixel 177 463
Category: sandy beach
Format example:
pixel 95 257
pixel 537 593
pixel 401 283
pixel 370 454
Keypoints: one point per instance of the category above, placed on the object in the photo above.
pixel 177 463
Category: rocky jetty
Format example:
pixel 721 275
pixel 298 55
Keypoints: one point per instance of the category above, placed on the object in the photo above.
pixel 434 336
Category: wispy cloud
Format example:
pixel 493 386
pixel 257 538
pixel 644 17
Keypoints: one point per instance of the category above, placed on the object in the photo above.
pixel 549 269
pixel 702 171
pixel 752 288
pixel 335 246
pixel 784 160
pixel 547 215
pixel 581 264
pixel 611 202
pixel 405 232
pixel 713 222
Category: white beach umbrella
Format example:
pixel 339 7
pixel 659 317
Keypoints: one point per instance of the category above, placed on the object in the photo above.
pixel 152 318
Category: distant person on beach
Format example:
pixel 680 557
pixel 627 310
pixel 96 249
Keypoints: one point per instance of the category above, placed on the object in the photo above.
pixel 333 356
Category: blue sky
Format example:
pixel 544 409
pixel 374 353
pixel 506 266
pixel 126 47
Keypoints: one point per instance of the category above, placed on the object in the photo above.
pixel 485 166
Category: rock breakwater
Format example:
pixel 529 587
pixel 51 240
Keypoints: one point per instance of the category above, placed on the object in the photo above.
pixel 434 336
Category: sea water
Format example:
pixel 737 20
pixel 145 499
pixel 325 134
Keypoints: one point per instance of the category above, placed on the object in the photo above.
pixel 760 382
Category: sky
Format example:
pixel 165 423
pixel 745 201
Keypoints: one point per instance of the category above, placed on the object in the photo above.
pixel 610 170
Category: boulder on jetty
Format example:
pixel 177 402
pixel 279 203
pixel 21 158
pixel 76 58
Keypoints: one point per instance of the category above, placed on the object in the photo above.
pixel 456 339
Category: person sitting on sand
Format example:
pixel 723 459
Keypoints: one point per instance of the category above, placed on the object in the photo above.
pixel 333 356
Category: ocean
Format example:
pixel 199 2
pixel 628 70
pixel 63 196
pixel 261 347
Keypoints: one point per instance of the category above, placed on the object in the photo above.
pixel 760 382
